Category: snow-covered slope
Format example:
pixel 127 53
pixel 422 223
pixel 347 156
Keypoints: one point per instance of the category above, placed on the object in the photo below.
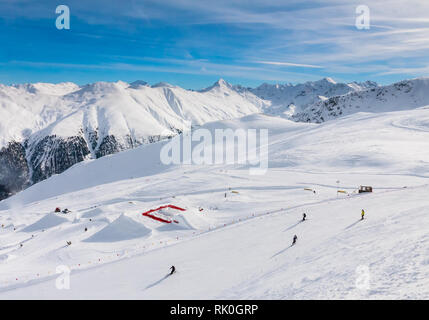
pixel 27 108
pixel 52 127
pixel 245 237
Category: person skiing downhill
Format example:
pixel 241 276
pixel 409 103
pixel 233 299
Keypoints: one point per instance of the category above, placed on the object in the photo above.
pixel 294 239
pixel 304 216
pixel 173 270
pixel 362 214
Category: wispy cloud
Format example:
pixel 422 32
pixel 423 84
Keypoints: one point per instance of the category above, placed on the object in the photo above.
pixel 191 67
pixel 416 71
pixel 288 64
pixel 252 39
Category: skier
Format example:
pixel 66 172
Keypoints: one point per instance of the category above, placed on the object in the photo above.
pixel 173 270
pixel 294 239
pixel 362 214
pixel 304 216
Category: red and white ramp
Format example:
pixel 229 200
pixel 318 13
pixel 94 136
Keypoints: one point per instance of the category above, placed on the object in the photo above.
pixel 164 214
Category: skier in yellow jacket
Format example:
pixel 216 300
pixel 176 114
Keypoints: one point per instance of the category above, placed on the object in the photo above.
pixel 363 214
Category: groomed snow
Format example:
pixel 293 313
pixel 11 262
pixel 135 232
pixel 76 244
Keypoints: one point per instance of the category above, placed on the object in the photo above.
pixel 240 246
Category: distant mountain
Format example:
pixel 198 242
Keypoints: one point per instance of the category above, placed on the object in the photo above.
pixel 404 95
pixel 47 128
pixel 286 99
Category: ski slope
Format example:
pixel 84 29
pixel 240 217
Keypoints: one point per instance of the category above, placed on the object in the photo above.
pixel 239 246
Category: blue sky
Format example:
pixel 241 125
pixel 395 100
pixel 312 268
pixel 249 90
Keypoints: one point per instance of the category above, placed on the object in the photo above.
pixel 192 43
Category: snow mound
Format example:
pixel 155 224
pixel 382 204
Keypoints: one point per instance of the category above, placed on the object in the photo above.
pixel 48 221
pixel 123 228
pixel 180 222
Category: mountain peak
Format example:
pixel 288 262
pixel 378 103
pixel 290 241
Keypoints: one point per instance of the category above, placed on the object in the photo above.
pixel 221 84
pixel 329 80
pixel 138 83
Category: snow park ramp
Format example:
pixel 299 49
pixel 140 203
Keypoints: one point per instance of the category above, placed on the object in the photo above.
pixel 48 221
pixel 123 228
pixel 156 214
pixel 179 223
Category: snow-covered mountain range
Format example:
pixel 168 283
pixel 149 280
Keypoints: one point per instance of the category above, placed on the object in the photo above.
pixel 404 95
pixel 287 99
pixel 47 128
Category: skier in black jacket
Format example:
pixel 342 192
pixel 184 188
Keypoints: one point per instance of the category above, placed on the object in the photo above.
pixel 173 270
pixel 294 239
pixel 304 216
